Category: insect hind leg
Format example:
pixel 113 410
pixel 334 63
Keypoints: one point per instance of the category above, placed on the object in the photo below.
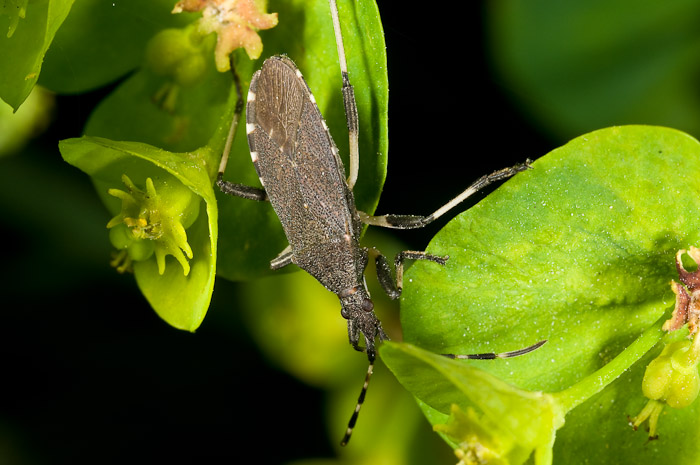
pixel 349 102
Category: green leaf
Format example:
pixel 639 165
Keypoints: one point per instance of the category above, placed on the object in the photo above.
pixel 580 66
pixel 580 251
pixel 182 299
pixel 134 112
pixel 515 422
pixel 18 127
pixel 23 46
pixel 101 41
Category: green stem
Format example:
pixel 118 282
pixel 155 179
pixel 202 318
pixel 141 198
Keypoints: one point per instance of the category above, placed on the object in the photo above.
pixel 573 396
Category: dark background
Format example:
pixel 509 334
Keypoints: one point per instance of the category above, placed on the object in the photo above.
pixel 80 385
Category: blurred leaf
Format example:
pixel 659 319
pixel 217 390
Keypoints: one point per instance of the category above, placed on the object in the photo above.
pixel 101 41
pixel 134 112
pixel 23 47
pixel 17 128
pixel 180 299
pixel 580 66
pixel 297 323
pixel 580 251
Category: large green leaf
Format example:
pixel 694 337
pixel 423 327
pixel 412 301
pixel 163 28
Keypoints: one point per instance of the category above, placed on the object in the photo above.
pixel 26 31
pixel 579 251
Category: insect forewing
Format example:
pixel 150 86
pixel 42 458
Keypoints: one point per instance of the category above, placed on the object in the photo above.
pixel 295 156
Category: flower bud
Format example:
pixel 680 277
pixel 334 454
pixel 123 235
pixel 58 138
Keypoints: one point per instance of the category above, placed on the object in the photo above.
pixel 673 376
pixel 670 379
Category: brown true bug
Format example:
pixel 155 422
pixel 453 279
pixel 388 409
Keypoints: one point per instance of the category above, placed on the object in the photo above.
pixel 304 179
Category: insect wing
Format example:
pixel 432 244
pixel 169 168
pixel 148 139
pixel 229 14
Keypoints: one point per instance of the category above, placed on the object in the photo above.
pixel 295 156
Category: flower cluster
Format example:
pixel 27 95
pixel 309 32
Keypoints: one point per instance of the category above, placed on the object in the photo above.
pixel 153 222
pixel 236 23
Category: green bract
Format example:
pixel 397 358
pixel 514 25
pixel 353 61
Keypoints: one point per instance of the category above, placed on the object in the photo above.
pixel 161 218
pixel 14 10
pixel 509 423
pixel 579 251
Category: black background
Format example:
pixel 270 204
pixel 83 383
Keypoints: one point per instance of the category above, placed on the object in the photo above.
pixel 80 385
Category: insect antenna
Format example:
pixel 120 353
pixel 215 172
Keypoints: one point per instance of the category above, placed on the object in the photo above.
pixel 491 355
pixel 360 400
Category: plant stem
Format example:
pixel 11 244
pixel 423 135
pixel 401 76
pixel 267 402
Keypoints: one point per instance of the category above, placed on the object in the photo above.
pixel 573 396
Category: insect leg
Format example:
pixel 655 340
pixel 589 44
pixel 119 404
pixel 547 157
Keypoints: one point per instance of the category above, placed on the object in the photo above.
pixel 230 188
pixel 416 221
pixel 491 355
pixel 393 290
pixel 391 286
pixel 241 190
pixel 354 337
pixel 283 259
pixel 348 100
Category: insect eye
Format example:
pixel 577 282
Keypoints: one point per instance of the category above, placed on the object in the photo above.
pixel 367 305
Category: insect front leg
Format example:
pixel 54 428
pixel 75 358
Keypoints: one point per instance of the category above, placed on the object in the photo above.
pixel 391 286
pixel 417 221
pixel 230 188
pixel 354 334
pixel 241 190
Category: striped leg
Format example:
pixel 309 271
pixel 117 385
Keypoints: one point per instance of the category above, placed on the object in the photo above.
pixel 416 221
pixel 348 100
pixel 491 355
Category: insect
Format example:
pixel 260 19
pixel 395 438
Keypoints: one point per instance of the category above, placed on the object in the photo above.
pixel 304 179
